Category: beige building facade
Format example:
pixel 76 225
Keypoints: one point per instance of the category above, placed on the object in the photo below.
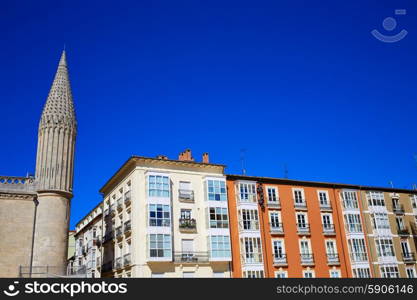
pixel 391 229
pixel 166 218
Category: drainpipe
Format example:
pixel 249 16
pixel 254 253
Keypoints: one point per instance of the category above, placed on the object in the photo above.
pixel 36 202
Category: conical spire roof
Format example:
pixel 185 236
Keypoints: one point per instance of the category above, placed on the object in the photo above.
pixel 59 106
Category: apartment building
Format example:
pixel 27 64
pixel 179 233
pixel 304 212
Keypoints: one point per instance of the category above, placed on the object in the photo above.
pixel 390 226
pixel 284 228
pixel 289 228
pixel 166 218
pixel 87 236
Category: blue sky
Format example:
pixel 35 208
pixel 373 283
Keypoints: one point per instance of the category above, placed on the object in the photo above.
pixel 301 83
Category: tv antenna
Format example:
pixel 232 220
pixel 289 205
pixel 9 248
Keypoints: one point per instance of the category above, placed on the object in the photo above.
pixel 242 160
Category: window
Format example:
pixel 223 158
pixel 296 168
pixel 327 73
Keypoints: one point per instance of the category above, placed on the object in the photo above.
pixel 220 246
pixel 361 273
pixel 252 249
pixel 308 274
pixel 275 219
pixel 380 221
pixel 249 219
pixel 334 273
pixel 158 186
pixel 218 217
pixel 305 247
pixel 298 196
pixel 375 199
pixel 357 249
pixel 384 247
pixel 405 248
pixel 331 249
pixel 353 223
pixel 216 190
pixel 253 274
pixel 272 195
pixel 278 249
pixel 302 222
pixel 281 274
pixel 400 223
pixel 218 274
pixel 247 192
pixel 159 215
pixel 349 199
pixel 185 214
pixel 324 198
pixel 411 272
pixel 389 272
pixel 159 245
pixel 327 222
pixel 413 199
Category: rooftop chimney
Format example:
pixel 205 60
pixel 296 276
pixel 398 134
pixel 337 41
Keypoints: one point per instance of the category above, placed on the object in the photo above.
pixel 206 158
pixel 186 156
pixel 160 156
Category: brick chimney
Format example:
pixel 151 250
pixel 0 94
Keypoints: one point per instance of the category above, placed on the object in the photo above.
pixel 186 156
pixel 206 158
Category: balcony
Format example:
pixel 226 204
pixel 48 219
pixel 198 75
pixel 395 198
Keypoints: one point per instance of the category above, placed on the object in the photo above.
pixel 191 257
pixel 127 198
pixel 187 225
pixel 300 205
pixel 328 229
pixel 97 242
pixel 333 259
pixel 274 204
pixel 128 228
pixel 127 259
pixel 303 229
pixel 119 204
pixel 186 196
pixel 276 228
pixel 119 233
pixel 325 206
pixel 398 209
pixel 249 225
pixel 98 263
pixel 118 264
pixel 279 260
pixel 84 250
pixel 409 258
pixel 108 266
pixel 403 231
pixel 108 236
pixel 358 257
pixel 106 213
pixel 252 258
pixel 307 259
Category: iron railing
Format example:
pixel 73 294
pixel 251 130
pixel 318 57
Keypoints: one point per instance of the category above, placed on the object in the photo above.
pixel 191 257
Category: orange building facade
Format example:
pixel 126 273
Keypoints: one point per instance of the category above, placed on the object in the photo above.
pixel 288 228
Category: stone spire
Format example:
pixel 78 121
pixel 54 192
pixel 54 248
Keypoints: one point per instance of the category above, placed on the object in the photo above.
pixel 56 136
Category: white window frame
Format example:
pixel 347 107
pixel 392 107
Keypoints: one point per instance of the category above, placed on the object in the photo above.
pixel 326 194
pixel 276 194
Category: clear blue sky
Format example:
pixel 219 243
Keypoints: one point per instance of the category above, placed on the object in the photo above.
pixel 301 83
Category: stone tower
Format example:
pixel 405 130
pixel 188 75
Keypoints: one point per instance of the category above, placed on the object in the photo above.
pixel 54 172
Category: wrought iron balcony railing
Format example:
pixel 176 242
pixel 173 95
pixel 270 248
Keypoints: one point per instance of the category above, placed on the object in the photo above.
pixel 187 224
pixel 276 228
pixel 307 258
pixel 279 259
pixel 409 257
pixel 249 225
pixel 300 204
pixel 333 258
pixel 398 209
pixel 303 228
pixel 328 229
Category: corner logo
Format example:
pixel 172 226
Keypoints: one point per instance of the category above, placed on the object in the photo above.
pixel 390 24
pixel 11 292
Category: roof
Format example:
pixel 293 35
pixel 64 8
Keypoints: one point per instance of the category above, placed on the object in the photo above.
pixel 317 183
pixel 135 158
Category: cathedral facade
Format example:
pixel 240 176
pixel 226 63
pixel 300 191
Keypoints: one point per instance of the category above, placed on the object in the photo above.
pixel 35 210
